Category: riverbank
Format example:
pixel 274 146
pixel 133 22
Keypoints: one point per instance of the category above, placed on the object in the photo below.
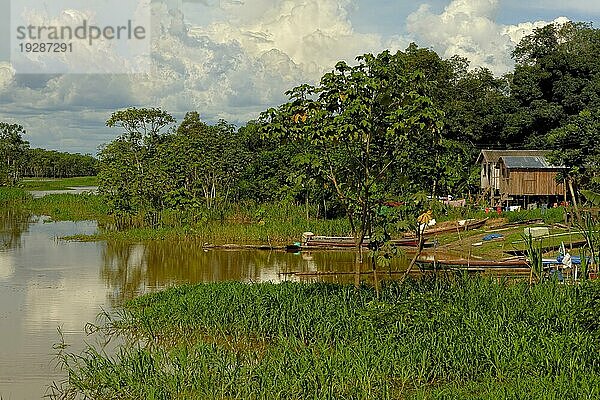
pixel 254 224
pixel 466 338
pixel 271 225
pixel 57 206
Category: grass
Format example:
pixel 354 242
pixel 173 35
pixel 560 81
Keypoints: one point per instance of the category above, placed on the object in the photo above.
pixel 59 207
pixel 512 240
pixel 70 207
pixel 58 183
pixel 274 224
pixel 433 338
pixel 219 233
pixel 13 196
pixel 548 216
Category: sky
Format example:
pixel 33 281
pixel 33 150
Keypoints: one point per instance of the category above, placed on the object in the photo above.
pixel 232 59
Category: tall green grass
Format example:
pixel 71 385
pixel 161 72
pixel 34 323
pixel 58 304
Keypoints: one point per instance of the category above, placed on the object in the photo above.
pixel 70 207
pixel 12 196
pixel 60 207
pixel 238 223
pixel 433 338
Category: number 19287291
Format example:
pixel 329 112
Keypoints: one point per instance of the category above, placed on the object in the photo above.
pixel 46 47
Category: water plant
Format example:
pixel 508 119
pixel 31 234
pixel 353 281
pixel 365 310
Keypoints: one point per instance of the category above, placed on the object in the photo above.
pixel 533 252
pixel 433 338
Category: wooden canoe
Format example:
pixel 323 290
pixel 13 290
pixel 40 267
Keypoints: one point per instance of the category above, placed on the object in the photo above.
pixel 467 226
pixel 516 263
pixel 348 241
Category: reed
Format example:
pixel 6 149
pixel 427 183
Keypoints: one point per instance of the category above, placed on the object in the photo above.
pixel 432 338
pixel 69 207
pixel 274 224
pixel 13 196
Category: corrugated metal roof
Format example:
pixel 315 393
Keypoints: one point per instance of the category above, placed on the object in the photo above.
pixel 492 156
pixel 527 162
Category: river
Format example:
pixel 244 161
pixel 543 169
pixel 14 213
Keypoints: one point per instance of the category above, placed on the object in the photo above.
pixel 47 284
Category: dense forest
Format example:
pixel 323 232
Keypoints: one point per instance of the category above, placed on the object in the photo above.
pixel 390 127
pixel 18 160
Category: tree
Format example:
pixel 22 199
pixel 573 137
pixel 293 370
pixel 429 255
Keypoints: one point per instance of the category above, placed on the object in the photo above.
pixel 364 121
pixel 204 161
pixel 55 164
pixel 130 174
pixel 13 153
pixel 577 149
pixel 557 76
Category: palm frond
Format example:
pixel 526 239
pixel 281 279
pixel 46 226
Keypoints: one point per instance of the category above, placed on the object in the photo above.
pixel 592 197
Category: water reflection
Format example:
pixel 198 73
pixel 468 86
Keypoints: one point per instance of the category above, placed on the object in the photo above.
pixel 132 269
pixel 45 283
pixel 13 224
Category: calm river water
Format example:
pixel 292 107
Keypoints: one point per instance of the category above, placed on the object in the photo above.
pixel 47 283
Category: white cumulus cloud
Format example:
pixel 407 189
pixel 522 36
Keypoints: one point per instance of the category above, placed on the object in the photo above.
pixel 7 75
pixel 314 34
pixel 468 28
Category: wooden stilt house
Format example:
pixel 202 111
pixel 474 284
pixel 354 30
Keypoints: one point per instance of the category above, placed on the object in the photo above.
pixel 519 177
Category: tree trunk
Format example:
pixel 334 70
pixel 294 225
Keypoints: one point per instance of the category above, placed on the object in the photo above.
pixel 572 190
pixel 414 260
pixel 357 262
pixel 306 204
pixel 375 279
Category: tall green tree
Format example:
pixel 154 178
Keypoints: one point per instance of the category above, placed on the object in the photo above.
pixel 204 161
pixel 556 77
pixel 130 175
pixel 13 153
pixel 364 121
pixel 576 145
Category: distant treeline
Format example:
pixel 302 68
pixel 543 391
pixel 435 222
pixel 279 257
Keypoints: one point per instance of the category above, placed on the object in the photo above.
pixel 55 164
pixel 18 160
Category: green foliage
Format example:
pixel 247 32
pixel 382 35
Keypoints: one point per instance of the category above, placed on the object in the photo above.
pixel 69 207
pixel 146 170
pixel 55 164
pixel 140 125
pixel 130 175
pixel 534 255
pixel 12 196
pixel 467 338
pixel 555 87
pixel 59 207
pixel 202 162
pixel 18 160
pixel 362 121
pixel 274 224
pixel 549 216
pixel 592 197
pixel 589 226
pixel 13 153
